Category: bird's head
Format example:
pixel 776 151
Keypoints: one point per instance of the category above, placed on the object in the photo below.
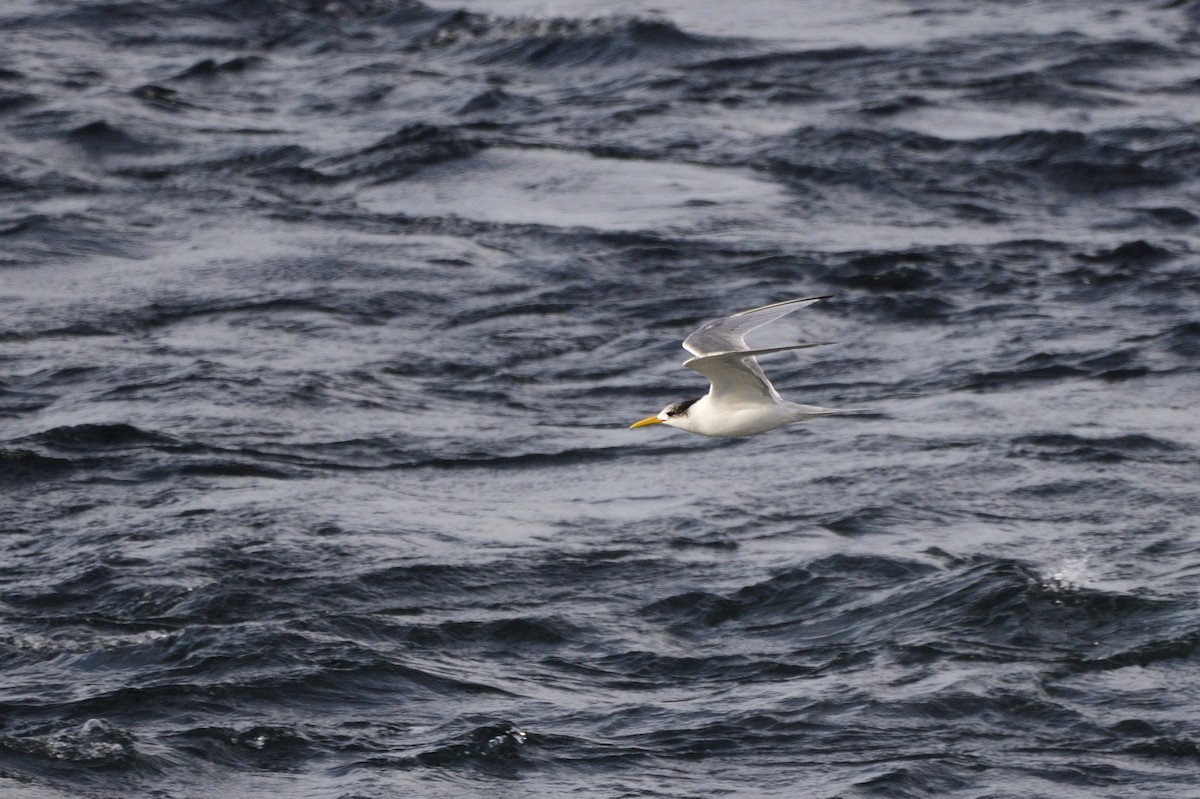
pixel 675 414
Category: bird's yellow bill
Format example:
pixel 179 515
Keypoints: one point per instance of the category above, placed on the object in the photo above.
pixel 649 420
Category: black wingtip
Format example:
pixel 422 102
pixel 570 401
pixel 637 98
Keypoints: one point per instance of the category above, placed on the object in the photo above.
pixel 804 299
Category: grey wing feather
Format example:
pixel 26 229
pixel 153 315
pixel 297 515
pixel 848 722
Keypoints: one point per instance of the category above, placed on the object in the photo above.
pixel 736 376
pixel 729 333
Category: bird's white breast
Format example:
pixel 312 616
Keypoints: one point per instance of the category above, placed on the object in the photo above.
pixel 734 421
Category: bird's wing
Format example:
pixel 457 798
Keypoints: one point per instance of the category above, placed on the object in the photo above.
pixel 736 377
pixel 729 333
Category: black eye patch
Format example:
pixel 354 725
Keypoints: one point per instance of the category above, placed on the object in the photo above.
pixel 679 408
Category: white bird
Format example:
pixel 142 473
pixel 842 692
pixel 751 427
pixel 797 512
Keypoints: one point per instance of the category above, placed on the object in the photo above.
pixel 741 400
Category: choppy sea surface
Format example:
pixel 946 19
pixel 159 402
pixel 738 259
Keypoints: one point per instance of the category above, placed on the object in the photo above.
pixel 322 323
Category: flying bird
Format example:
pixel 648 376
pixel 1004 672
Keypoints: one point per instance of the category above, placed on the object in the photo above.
pixel 741 400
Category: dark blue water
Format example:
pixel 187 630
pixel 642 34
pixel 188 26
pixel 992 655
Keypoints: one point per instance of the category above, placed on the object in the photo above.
pixel 321 325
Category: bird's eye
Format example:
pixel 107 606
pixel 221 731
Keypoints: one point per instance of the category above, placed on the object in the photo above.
pixel 671 413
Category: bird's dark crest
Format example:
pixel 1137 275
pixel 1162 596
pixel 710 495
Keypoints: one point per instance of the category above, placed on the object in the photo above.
pixel 680 408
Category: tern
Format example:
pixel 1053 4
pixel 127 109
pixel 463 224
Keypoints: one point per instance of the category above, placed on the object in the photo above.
pixel 741 400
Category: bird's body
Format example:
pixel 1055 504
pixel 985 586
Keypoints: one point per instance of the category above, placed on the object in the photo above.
pixel 741 400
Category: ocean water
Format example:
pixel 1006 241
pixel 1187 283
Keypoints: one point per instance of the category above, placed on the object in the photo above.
pixel 322 324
